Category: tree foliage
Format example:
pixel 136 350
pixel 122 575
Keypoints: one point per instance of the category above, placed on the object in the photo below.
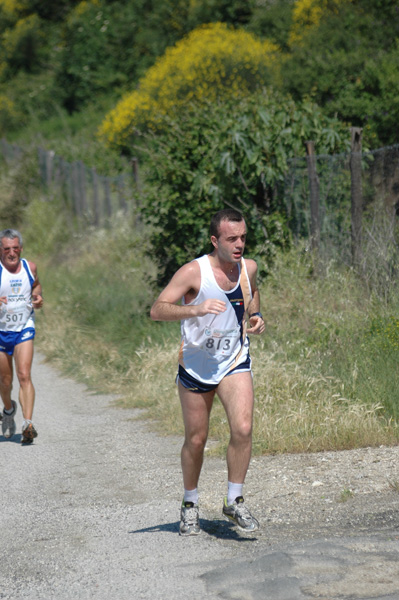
pixel 212 61
pixel 355 74
pixel 341 53
pixel 230 153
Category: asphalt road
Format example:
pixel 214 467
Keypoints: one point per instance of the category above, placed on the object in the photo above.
pixel 90 511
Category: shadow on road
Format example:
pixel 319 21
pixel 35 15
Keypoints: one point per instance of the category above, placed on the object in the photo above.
pixel 219 529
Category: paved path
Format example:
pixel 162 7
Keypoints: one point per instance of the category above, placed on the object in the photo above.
pixel 89 511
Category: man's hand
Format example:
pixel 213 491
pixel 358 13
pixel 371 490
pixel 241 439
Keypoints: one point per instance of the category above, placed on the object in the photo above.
pixel 211 307
pixel 3 300
pixel 37 301
pixel 257 325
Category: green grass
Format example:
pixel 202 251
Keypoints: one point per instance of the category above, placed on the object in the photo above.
pixel 306 367
pixel 324 372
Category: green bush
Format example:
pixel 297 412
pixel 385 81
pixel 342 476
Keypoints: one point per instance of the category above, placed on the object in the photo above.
pixel 23 47
pixel 109 45
pixel 231 153
pixel 354 76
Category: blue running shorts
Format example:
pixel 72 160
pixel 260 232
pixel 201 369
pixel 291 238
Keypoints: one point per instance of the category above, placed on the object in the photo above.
pixel 10 339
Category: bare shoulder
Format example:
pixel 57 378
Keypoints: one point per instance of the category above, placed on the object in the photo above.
pixel 32 267
pixel 252 266
pixel 190 272
pixel 186 280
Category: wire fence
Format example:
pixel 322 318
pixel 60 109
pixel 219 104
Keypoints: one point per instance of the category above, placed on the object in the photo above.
pixel 91 197
pixel 342 203
pixel 342 234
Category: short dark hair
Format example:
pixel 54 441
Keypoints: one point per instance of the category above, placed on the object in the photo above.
pixel 227 214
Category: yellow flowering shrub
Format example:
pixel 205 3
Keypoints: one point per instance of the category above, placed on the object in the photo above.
pixel 84 7
pixel 13 8
pixel 212 61
pixel 8 113
pixel 11 37
pixel 308 13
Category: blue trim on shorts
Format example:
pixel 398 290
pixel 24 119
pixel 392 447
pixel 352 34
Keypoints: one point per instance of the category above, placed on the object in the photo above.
pixel 10 339
pixel 199 387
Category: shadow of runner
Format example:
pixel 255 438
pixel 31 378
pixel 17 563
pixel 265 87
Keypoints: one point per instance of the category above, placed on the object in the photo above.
pixel 219 529
pixel 15 439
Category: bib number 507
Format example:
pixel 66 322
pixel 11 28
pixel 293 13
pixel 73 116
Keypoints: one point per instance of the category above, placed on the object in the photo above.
pixel 14 318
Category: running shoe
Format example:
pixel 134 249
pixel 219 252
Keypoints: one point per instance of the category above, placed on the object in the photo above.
pixel 28 432
pixel 189 519
pixel 8 424
pixel 240 514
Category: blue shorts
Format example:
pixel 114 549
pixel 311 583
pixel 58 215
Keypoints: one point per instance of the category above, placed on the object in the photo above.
pixel 199 387
pixel 10 339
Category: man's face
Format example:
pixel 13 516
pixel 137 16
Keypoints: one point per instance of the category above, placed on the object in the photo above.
pixel 10 252
pixel 231 241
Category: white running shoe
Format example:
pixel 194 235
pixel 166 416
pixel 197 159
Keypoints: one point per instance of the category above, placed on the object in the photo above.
pixel 189 519
pixel 8 424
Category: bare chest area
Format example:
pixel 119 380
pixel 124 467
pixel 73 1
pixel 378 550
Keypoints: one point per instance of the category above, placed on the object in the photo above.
pixel 226 281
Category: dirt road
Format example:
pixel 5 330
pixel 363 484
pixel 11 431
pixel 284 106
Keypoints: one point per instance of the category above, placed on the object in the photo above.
pixel 90 511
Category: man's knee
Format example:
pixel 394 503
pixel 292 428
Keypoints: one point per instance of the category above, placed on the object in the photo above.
pixel 243 433
pixel 24 377
pixel 5 382
pixel 196 442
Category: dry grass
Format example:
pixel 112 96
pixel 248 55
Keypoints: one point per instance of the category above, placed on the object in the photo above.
pixel 294 412
pixel 297 409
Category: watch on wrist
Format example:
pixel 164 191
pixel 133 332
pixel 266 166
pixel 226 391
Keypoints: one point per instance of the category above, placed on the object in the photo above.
pixel 257 314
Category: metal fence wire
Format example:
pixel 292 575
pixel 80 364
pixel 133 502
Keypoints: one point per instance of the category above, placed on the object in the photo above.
pixel 94 198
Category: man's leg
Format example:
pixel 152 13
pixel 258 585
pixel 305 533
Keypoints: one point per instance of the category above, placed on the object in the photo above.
pixel 6 375
pixel 23 355
pixel 8 426
pixel 196 409
pixel 237 397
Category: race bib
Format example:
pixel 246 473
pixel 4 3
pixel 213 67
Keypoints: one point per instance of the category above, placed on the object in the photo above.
pixel 221 342
pixel 14 315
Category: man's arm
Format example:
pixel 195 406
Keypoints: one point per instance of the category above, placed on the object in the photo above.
pixel 257 323
pixel 186 281
pixel 37 298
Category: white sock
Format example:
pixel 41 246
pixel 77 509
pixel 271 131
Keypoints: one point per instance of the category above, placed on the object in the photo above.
pixel 233 491
pixel 191 496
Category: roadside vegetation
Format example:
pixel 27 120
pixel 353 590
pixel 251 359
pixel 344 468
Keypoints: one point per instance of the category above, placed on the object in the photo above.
pixel 214 98
pixel 324 371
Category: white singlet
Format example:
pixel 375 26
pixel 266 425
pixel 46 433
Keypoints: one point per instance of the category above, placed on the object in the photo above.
pixel 213 345
pixel 18 312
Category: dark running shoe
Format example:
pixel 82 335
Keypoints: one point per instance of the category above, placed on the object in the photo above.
pixel 28 433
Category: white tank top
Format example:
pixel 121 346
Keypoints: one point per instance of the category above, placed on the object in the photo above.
pixel 18 288
pixel 212 345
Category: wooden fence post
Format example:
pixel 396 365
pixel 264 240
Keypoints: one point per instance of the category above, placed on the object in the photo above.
pixel 82 188
pixel 135 168
pixel 356 194
pixel 108 201
pixel 314 196
pixel 96 198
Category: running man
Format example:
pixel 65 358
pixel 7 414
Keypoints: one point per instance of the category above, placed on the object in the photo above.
pixel 217 292
pixel 20 294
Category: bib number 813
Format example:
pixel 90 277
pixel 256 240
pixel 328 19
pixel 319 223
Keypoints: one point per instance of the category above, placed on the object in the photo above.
pixel 221 344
